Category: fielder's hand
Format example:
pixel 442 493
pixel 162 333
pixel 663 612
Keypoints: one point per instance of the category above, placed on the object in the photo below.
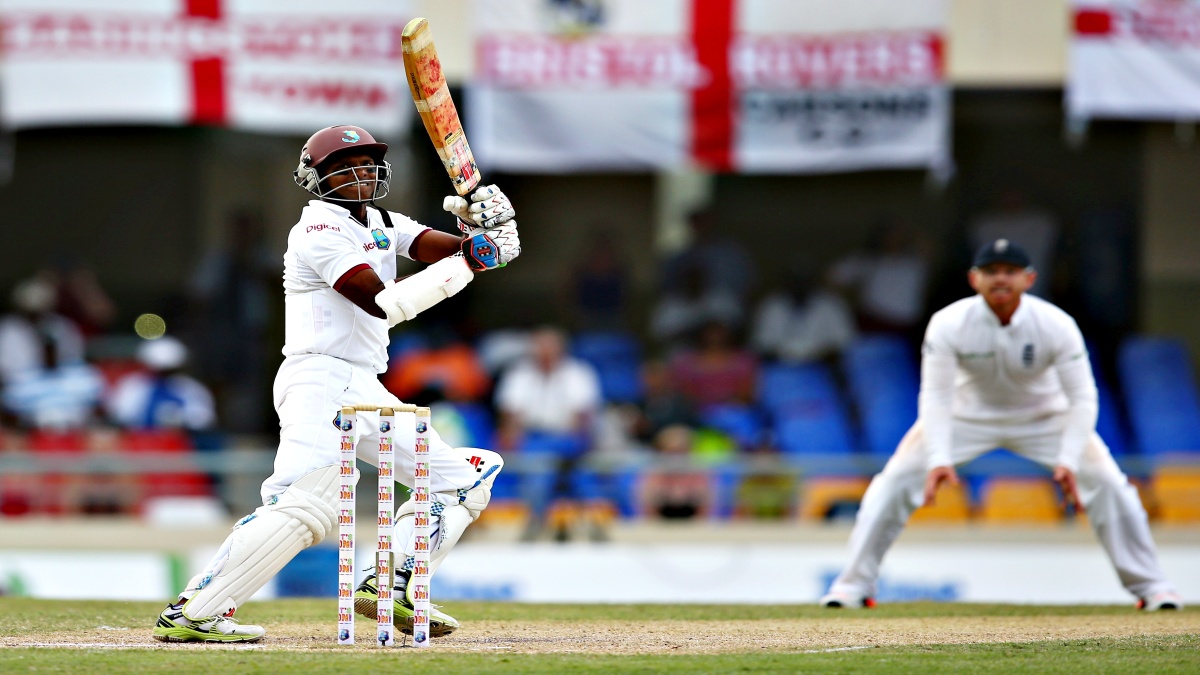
pixel 488 208
pixel 489 249
pixel 1070 489
pixel 934 479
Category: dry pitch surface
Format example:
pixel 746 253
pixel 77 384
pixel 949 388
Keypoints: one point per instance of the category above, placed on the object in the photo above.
pixel 618 630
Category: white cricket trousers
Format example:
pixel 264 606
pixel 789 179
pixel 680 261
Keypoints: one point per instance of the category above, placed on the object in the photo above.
pixel 309 393
pixel 1112 503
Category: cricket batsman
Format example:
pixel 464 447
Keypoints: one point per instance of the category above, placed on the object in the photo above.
pixel 1005 369
pixel 341 297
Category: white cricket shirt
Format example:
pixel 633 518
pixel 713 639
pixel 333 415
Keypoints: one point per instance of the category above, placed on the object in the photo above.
pixel 326 248
pixel 972 368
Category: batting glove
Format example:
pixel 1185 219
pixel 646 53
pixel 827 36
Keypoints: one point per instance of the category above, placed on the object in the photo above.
pixel 487 208
pixel 489 249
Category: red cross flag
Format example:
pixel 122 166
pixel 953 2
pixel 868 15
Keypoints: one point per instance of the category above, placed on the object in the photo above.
pixel 264 65
pixel 733 85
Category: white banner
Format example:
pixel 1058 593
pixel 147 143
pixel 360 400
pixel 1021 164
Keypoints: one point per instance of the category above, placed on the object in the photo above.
pixel 734 85
pixel 260 65
pixel 1135 59
pixel 1025 573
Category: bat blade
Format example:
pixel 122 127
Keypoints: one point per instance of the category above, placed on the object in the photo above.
pixel 427 83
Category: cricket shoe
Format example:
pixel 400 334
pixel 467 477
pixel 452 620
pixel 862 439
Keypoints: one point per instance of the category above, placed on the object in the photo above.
pixel 367 595
pixel 846 601
pixel 1167 600
pixel 173 626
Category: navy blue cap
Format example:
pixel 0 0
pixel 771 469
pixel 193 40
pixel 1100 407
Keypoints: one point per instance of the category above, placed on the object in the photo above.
pixel 1001 251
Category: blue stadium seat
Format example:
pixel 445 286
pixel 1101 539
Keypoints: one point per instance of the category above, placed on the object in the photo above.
pixel 880 364
pixel 598 347
pixel 742 423
pixel 620 381
pixel 1160 395
pixel 619 488
pixel 405 341
pixel 813 426
pixel 882 374
pixel 616 356
pixel 463 424
pixel 1110 423
pixel 781 384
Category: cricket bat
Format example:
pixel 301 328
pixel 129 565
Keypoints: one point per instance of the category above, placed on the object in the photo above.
pixel 427 83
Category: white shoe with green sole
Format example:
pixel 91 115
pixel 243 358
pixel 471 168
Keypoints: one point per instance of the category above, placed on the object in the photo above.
pixel 173 626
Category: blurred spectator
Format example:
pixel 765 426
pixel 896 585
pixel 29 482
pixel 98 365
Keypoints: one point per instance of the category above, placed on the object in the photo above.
pixel 887 279
pixel 81 298
pixel 500 349
pixel 681 314
pixel 597 293
pixel 802 321
pixel 452 370
pixel 106 490
pixel 1015 219
pixel 730 268
pixel 548 405
pixel 717 370
pixel 549 392
pixel 674 488
pixel 23 333
pixel 19 492
pixel 663 404
pixel 1106 246
pixel 232 291
pixel 767 491
pixel 162 397
pixel 59 394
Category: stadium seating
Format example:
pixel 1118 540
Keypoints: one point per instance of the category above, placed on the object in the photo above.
pixel 953 505
pixel 1160 395
pixel 464 424
pixel 1110 423
pixel 742 423
pixel 606 346
pixel 814 427
pixel 781 384
pixel 807 409
pixel 56 446
pixel 176 483
pixel 616 356
pixel 1019 501
pixel 882 375
pixel 823 497
pixel 1177 495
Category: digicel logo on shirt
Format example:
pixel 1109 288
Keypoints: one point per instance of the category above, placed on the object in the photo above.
pixel 322 226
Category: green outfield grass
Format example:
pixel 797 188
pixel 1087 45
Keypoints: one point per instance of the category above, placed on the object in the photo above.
pixel 495 638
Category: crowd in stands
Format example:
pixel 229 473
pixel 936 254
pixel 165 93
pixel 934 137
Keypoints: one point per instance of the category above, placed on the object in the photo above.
pixel 735 401
pixel 55 402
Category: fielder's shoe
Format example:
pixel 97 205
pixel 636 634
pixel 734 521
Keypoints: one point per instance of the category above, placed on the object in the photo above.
pixel 367 593
pixel 847 601
pixel 1159 601
pixel 173 626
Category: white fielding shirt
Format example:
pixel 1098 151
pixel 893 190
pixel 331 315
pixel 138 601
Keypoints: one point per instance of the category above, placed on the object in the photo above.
pixel 972 368
pixel 324 249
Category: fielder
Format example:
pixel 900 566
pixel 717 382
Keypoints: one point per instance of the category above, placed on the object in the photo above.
pixel 341 297
pixel 1004 369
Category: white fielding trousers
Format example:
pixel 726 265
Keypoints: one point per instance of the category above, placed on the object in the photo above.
pixel 1112 503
